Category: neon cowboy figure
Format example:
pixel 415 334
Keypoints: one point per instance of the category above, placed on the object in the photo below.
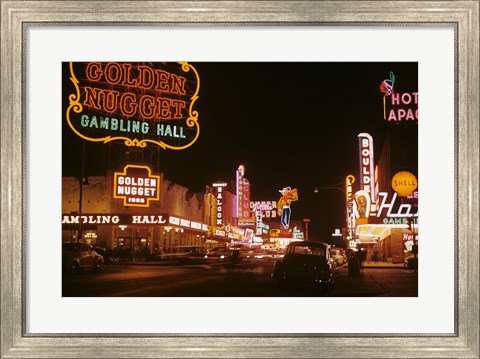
pixel 283 208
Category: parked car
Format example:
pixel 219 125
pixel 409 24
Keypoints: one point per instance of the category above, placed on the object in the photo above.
pixel 80 256
pixel 306 264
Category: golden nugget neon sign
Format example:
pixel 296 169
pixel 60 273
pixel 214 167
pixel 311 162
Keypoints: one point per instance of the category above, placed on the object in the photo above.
pixel 136 186
pixel 138 103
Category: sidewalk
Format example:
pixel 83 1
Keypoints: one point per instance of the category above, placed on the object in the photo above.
pixel 376 283
pixel 357 286
pixel 383 265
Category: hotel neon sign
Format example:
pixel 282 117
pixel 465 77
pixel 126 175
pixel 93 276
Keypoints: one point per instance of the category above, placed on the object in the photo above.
pixel 138 103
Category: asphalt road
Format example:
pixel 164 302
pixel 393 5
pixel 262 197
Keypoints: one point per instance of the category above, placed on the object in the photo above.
pixel 247 279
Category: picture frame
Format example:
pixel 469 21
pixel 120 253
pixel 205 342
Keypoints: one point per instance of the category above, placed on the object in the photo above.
pixel 463 15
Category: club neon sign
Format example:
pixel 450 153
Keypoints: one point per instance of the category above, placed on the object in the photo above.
pixel 138 103
pixel 243 194
pixel 136 186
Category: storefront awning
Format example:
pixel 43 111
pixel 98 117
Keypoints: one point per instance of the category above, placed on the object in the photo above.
pixel 371 233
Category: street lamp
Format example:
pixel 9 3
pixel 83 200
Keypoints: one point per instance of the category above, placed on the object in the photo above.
pixel 349 180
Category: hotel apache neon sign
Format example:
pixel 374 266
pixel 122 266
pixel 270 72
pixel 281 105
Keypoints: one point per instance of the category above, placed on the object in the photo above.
pixel 403 106
pixel 136 186
pixel 135 102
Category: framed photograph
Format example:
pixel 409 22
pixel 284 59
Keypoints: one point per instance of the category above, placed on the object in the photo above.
pixel 113 113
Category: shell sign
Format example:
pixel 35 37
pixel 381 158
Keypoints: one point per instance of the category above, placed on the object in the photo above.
pixel 404 183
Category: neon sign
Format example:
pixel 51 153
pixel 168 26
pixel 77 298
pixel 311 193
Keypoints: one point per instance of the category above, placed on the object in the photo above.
pixel 219 187
pixel 362 204
pixel 138 103
pixel 136 186
pixel 349 181
pixel 387 88
pixel 283 208
pixel 268 208
pixel 404 183
pixel 243 194
pixel 116 219
pixel 366 163
pixel 404 107
pixel 258 222
pixel 405 210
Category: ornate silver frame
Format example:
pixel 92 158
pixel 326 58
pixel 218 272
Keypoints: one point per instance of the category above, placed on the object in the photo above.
pixel 463 15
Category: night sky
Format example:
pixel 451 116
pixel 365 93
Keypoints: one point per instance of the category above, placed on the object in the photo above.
pixel 289 124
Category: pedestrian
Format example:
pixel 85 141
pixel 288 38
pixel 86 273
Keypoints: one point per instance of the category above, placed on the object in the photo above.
pixel 361 258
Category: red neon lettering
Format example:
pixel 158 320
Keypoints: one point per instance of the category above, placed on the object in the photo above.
pixel 113 73
pixel 110 100
pixel 128 106
pixel 127 79
pixel 163 107
pixel 147 107
pixel 94 71
pixel 145 77
pixel 92 97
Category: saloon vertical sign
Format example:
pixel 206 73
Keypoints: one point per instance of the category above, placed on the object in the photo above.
pixel 139 103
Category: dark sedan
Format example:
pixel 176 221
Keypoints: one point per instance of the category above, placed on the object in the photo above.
pixel 306 264
pixel 80 256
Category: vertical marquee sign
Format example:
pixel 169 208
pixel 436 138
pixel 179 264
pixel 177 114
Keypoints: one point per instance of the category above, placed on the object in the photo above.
pixel 138 103
pixel 367 180
pixel 219 187
pixel 136 186
pixel 243 194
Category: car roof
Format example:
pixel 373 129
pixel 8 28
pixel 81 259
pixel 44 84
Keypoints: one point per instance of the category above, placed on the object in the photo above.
pixel 309 243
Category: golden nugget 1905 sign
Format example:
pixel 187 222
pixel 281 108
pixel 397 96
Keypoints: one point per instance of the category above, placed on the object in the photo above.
pixel 139 103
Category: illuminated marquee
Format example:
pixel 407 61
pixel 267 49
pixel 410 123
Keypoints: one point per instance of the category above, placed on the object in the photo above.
pixel 349 181
pixel 70 220
pixel 258 222
pixel 138 103
pixel 136 186
pixel 243 194
pixel 219 196
pixel 366 164
pixel 268 208
pixel 396 213
pixel 115 219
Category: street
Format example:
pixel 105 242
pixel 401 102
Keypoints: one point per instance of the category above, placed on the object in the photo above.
pixel 246 279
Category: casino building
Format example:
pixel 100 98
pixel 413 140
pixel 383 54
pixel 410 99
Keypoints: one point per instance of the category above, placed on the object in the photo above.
pixel 173 224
